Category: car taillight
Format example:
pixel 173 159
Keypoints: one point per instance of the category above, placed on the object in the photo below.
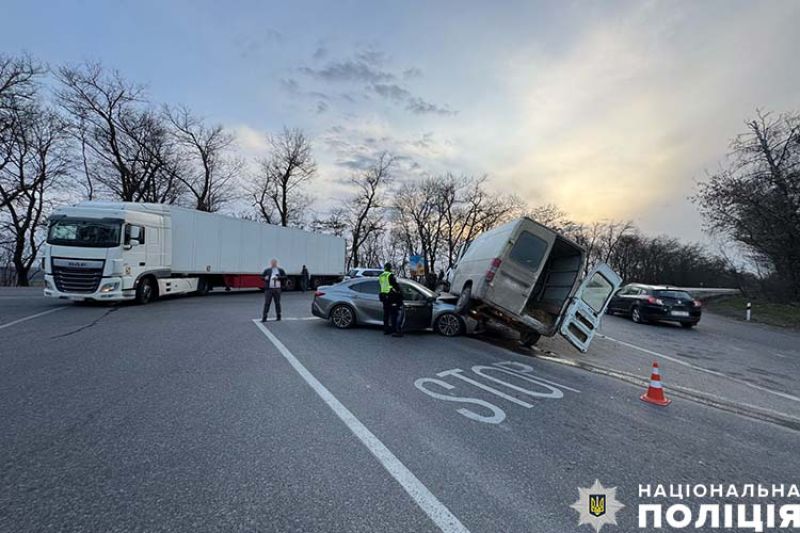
pixel 698 303
pixel 654 300
pixel 493 268
pixel 319 293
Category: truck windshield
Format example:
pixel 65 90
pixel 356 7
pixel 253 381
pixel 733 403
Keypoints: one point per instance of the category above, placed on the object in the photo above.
pixel 84 232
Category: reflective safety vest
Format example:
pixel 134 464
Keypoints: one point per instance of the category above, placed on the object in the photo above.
pixel 386 287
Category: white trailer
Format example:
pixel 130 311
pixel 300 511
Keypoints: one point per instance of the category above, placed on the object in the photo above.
pixel 136 251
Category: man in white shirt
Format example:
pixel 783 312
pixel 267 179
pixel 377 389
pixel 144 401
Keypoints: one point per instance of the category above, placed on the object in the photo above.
pixel 273 282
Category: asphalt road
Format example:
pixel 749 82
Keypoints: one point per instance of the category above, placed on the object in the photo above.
pixel 185 415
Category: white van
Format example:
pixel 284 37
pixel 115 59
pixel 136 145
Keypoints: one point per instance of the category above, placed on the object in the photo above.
pixel 529 277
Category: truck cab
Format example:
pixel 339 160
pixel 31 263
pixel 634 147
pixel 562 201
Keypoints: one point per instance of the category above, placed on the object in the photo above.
pixel 98 251
pixel 530 277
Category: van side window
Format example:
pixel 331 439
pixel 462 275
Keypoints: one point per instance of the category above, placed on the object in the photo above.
pixel 529 250
pixel 128 233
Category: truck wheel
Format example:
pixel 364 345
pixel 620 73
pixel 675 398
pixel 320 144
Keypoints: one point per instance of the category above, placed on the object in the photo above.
pixel 146 291
pixel 529 338
pixel 203 286
pixel 342 316
pixel 449 325
pixel 462 306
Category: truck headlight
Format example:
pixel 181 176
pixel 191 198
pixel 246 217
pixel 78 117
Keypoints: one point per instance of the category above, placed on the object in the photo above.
pixel 110 287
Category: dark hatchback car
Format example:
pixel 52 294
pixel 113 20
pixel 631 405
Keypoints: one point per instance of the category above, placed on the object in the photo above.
pixel 656 303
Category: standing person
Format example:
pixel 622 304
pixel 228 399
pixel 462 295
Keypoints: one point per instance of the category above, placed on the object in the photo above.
pixel 439 281
pixel 274 277
pixel 304 279
pixel 390 296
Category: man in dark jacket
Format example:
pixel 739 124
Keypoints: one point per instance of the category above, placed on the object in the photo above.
pixel 392 298
pixel 274 277
pixel 304 279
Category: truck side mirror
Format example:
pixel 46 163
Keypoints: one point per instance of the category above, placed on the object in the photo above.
pixel 133 236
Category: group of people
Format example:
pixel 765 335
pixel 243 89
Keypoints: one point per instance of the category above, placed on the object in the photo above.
pixel 391 295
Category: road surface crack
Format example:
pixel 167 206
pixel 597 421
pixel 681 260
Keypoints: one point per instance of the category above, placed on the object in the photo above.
pixel 85 326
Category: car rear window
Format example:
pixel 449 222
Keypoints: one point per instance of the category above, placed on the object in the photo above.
pixel 529 250
pixel 678 295
pixel 371 273
pixel 368 287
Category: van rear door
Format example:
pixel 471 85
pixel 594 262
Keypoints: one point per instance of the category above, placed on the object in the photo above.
pixel 582 317
pixel 516 275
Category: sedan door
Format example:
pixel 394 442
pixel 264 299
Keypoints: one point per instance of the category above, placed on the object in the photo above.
pixel 418 307
pixel 369 308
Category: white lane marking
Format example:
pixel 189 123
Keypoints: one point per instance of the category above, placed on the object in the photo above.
pixel 31 317
pixel 292 318
pixel 781 355
pixel 436 510
pixel 705 370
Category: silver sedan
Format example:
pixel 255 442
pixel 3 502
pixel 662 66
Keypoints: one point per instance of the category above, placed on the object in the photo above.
pixel 356 301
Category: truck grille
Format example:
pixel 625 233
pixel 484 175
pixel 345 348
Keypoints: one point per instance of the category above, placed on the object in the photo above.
pixel 79 279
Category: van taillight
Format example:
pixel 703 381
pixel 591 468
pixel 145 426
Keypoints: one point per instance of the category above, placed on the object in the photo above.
pixel 493 268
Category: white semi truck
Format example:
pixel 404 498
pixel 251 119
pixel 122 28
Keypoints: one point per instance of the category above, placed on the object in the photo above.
pixel 111 251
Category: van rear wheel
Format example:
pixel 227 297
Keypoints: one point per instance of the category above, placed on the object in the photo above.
pixel 529 338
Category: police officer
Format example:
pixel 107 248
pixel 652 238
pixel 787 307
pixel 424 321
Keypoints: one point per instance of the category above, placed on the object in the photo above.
pixel 392 300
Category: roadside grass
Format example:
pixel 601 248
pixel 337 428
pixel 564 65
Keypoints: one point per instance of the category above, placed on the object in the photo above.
pixel 775 314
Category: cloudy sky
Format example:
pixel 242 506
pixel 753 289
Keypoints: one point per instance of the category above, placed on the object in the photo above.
pixel 608 109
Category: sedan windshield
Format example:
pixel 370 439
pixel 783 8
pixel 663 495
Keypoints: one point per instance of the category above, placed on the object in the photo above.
pixel 421 288
pixel 90 233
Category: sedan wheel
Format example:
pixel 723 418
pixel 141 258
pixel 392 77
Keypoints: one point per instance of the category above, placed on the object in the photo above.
pixel 449 325
pixel 342 317
pixel 636 315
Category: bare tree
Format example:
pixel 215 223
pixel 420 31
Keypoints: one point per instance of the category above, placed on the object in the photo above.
pixel 600 239
pixel 755 200
pixel 469 209
pixel 420 220
pixel 335 223
pixel 127 147
pixel 363 209
pixel 208 171
pixel 18 86
pixel 278 190
pixel 554 217
pixel 39 159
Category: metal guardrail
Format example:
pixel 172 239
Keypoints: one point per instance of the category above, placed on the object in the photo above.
pixel 708 291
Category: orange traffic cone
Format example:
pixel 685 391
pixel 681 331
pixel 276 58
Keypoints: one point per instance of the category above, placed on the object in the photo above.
pixel 655 392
